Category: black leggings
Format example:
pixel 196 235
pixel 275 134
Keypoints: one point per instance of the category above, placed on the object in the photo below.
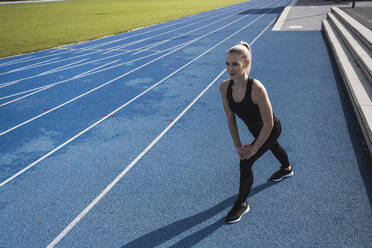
pixel 246 173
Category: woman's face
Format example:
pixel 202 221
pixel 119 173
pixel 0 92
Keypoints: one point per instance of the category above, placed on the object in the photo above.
pixel 235 64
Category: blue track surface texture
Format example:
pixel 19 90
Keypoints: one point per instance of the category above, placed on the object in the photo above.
pixel 96 150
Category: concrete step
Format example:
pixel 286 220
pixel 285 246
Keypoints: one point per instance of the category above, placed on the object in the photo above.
pixel 359 50
pixel 364 33
pixel 358 86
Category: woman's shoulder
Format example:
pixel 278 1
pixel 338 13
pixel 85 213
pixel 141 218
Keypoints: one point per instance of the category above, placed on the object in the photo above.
pixel 224 84
pixel 258 91
pixel 257 85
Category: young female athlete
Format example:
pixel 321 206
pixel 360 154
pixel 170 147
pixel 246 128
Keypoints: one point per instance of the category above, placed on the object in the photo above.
pixel 247 98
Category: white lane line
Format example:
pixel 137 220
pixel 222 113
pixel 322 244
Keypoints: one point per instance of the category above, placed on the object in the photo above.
pixel 30 66
pixel 124 105
pixel 112 49
pixel 42 88
pixel 180 35
pixel 84 74
pixel 195 17
pixel 30 58
pixel 61 68
pixel 20 93
pixel 130 166
pixel 3 85
pixel 46 56
pixel 92 71
pixel 30 94
pixel 48 86
pixel 134 162
pixel 118 47
pixel 128 44
pixel 113 80
pixel 16 60
pixel 137 49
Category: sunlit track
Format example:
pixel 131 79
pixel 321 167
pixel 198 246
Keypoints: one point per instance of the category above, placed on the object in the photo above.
pixel 32 59
pixel 133 99
pixel 135 150
pixel 134 162
pixel 42 63
pixel 177 36
pixel 16 60
pixel 176 22
pixel 144 48
pixel 23 92
pixel 57 52
pixel 63 67
pixel 81 75
pixel 87 74
pixel 121 46
pixel 96 60
pixel 45 87
pixel 118 47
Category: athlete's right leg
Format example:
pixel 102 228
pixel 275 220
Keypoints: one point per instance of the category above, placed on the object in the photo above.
pixel 279 152
pixel 285 168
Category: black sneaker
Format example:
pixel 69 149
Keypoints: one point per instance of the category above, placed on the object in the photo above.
pixel 281 174
pixel 236 213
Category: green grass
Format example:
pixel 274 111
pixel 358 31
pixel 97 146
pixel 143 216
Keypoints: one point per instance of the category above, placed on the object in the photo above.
pixel 31 27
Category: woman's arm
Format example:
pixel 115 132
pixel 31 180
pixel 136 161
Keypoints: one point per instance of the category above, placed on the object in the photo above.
pixel 260 97
pixel 231 122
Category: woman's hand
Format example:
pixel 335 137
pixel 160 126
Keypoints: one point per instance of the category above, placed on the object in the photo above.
pixel 251 150
pixel 243 152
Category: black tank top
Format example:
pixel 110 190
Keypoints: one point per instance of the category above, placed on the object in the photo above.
pixel 246 109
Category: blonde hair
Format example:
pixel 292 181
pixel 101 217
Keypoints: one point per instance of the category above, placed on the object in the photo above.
pixel 244 50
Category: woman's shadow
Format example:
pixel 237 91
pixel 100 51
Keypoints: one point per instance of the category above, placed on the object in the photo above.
pixel 165 233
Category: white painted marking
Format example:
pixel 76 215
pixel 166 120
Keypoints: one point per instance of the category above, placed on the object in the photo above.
pixel 295 27
pixel 134 162
pixel 130 166
pixel 111 81
pixel 180 35
pixel 30 94
pixel 118 47
pixel 92 71
pixel 30 66
pixel 84 74
pixel 157 29
pixel 124 105
pixel 126 45
pixel 45 87
pixel 16 60
pixel 131 43
pixel 31 59
pixel 61 68
pixel 20 93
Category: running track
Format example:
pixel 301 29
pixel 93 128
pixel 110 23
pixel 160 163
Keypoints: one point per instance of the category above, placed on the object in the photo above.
pixel 122 141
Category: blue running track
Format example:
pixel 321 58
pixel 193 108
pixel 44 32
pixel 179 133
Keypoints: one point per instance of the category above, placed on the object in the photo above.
pixel 123 142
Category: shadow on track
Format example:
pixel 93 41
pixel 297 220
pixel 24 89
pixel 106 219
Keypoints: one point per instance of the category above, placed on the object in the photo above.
pixel 262 11
pixel 166 233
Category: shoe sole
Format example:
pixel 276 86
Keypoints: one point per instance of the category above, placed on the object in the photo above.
pixel 233 221
pixel 280 179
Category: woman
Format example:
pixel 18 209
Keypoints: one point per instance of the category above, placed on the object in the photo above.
pixel 247 98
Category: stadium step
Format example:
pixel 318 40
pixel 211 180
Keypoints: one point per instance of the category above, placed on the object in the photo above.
pixel 351 45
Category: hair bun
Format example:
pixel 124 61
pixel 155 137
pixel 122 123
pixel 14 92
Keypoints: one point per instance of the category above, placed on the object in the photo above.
pixel 245 44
